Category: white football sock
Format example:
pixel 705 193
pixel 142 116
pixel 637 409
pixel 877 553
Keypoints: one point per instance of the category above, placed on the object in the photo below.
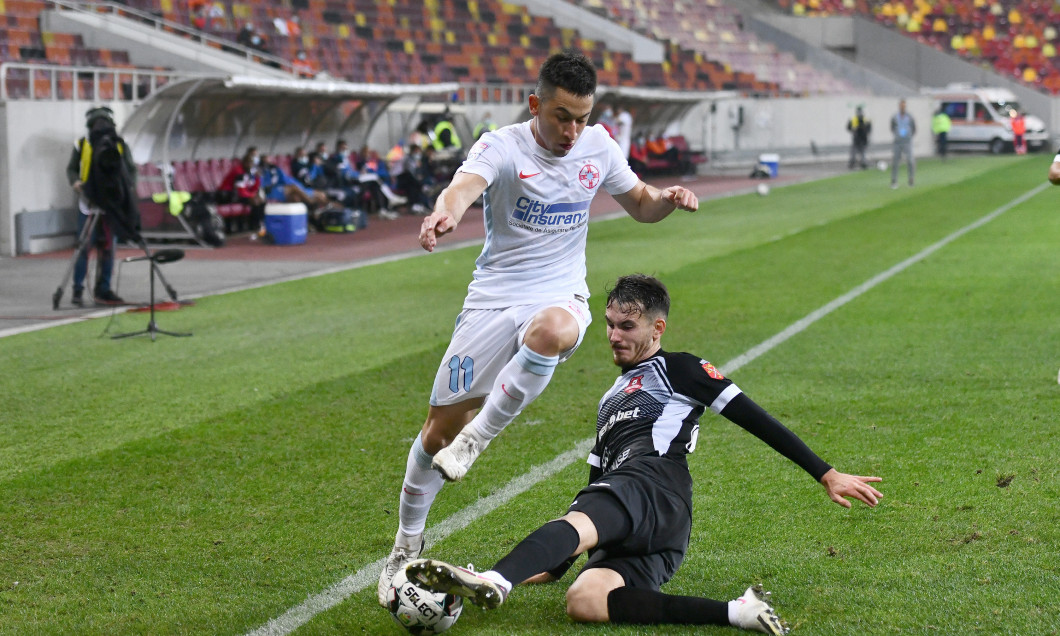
pixel 734 607
pixel 422 484
pixel 518 384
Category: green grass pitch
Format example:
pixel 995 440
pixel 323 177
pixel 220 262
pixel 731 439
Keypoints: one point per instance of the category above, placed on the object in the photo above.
pixel 210 484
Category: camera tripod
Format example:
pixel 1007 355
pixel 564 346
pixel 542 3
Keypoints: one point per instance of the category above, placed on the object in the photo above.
pixel 158 258
pixel 84 240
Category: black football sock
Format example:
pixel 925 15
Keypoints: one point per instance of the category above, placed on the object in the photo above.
pixel 545 548
pixel 648 607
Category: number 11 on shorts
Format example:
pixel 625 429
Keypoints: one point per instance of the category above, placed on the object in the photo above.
pixel 456 365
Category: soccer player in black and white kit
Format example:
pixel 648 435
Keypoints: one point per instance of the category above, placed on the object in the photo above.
pixel 526 309
pixel 635 517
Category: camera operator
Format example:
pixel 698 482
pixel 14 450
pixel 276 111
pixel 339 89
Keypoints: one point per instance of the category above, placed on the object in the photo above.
pixel 98 121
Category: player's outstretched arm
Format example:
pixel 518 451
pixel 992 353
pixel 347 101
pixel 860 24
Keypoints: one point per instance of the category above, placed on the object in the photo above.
pixel 450 207
pixel 648 204
pixel 841 485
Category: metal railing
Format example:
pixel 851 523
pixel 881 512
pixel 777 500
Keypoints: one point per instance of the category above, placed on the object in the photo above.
pixel 502 94
pixel 22 81
pixel 193 35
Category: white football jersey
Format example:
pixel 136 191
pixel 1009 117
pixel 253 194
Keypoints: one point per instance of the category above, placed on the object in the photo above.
pixel 536 211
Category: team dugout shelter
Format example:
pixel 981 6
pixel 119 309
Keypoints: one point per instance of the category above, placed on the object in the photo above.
pixel 185 134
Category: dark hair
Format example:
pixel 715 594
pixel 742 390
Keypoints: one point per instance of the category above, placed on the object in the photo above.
pixel 569 70
pixel 644 293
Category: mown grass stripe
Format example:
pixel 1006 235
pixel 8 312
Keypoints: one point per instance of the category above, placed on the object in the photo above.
pixel 799 326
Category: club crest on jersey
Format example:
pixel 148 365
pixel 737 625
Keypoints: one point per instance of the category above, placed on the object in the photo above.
pixel 589 175
pixel 636 383
pixel 477 150
pixel 711 371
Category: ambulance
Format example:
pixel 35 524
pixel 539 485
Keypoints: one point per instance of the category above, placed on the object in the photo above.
pixel 982 118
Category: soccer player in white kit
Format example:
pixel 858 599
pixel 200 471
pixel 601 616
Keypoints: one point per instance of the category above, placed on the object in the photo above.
pixel 526 309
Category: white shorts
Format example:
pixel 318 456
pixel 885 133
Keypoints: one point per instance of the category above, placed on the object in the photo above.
pixel 485 340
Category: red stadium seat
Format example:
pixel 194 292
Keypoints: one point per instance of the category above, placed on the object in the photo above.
pixel 206 176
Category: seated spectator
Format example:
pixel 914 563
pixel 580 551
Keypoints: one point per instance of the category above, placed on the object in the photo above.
pixel 428 170
pixel 217 16
pixel 374 169
pixel 249 37
pixel 436 175
pixel 301 166
pixel 660 148
pixel 199 13
pixel 607 120
pixel 309 169
pixel 303 66
pixel 638 155
pixel 338 167
pixel 283 188
pixel 410 180
pixel 288 27
pixel 242 184
pixel 344 177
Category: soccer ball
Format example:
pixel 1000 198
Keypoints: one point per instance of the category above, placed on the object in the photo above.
pixel 763 189
pixel 881 165
pixel 421 611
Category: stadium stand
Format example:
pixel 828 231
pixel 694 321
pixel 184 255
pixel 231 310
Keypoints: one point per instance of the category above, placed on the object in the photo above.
pixel 23 41
pixel 417 42
pixel 1017 38
pixel 414 42
pixel 711 28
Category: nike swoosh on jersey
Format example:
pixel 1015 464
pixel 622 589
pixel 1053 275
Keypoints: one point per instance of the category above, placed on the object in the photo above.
pixel 522 175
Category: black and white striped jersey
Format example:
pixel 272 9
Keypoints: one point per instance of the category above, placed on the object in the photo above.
pixel 653 409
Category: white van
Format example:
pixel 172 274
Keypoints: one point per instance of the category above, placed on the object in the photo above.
pixel 982 118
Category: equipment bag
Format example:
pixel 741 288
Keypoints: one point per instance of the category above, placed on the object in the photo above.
pixel 341 220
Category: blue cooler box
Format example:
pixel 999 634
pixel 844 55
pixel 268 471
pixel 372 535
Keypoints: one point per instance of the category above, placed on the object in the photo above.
pixel 286 223
pixel 772 161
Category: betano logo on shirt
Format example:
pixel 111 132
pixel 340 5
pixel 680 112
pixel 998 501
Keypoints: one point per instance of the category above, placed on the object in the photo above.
pixel 550 217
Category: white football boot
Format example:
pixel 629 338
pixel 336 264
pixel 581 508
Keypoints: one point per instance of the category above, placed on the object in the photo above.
pixel 439 576
pixel 754 612
pixel 398 559
pixel 454 460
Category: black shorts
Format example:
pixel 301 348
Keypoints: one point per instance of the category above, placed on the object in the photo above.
pixel 648 501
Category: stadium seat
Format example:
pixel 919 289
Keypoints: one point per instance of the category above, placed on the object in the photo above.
pixel 186 177
pixel 1011 36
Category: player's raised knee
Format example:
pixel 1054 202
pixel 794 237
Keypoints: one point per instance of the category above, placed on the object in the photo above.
pixel 552 332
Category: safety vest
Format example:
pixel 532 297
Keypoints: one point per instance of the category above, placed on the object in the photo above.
pixel 86 156
pixel 941 123
pixel 453 137
pixel 484 126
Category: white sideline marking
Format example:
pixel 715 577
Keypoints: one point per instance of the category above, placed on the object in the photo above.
pixel 295 617
pixel 800 325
